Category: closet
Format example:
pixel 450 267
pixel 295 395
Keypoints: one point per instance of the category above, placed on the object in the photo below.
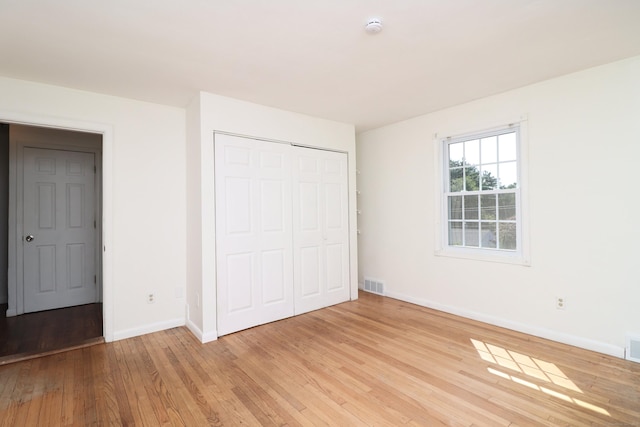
pixel 282 232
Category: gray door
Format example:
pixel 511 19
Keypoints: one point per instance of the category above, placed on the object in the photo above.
pixel 59 229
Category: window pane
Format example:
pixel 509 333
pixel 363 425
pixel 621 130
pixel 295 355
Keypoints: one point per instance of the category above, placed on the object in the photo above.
pixel 507 147
pixel 488 207
pixel 489 177
pixel 507 207
pixel 507 235
pixel 489 149
pixel 482 191
pixel 455 207
pixel 455 233
pixel 473 179
pixel 471 234
pixel 508 175
pixel 456 152
pixel 472 152
pixel 455 180
pixel 471 207
pixel 488 234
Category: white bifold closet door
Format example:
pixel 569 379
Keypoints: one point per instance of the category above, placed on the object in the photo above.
pixel 282 241
pixel 253 232
pixel 320 229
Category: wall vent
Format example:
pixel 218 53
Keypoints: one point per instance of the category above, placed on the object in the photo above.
pixel 374 286
pixel 632 352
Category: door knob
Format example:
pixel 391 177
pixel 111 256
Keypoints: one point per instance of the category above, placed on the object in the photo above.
pixel 29 238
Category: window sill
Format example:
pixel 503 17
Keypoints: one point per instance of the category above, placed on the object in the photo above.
pixel 514 258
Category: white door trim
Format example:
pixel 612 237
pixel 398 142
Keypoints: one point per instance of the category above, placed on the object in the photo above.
pixel 107 132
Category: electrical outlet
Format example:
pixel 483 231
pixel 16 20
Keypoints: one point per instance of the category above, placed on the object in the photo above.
pixel 561 303
pixel 151 297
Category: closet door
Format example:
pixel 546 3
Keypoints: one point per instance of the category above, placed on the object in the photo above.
pixel 321 229
pixel 253 232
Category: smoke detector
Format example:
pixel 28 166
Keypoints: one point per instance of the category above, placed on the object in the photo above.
pixel 374 26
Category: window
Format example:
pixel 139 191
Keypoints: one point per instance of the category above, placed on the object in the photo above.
pixel 481 194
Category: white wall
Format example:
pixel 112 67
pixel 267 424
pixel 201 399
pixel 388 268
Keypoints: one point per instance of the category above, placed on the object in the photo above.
pixel 584 155
pixel 211 113
pixel 144 189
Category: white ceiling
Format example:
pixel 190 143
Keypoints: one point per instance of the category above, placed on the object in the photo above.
pixel 313 57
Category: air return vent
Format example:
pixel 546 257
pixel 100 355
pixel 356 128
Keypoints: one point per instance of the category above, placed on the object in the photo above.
pixel 374 286
pixel 633 348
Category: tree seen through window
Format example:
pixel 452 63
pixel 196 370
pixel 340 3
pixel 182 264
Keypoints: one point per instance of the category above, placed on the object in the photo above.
pixel 482 191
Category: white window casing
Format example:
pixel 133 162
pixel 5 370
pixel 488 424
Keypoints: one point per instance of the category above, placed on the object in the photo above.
pixel 481 199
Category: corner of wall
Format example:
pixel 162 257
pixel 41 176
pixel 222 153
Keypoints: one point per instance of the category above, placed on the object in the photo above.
pixel 194 215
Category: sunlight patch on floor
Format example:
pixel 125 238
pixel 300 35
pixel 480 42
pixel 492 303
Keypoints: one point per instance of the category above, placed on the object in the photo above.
pixel 532 367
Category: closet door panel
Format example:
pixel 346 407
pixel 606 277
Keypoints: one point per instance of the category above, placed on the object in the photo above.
pixel 321 232
pixel 335 256
pixel 240 272
pixel 253 232
pixel 310 265
pixel 273 277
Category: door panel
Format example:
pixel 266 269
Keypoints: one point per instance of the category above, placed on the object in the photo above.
pixel 253 232
pixel 59 212
pixel 309 269
pixel 335 256
pixel 240 275
pixel 46 269
pixel 321 230
pixel 238 205
pixel 273 277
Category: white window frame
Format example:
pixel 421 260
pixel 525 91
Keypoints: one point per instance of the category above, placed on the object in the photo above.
pixel 519 256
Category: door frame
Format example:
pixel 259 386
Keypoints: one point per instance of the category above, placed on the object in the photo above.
pixel 16 205
pixel 105 213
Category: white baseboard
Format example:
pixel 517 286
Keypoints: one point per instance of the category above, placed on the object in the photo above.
pixel 148 329
pixel 202 337
pixel 549 334
pixel 208 337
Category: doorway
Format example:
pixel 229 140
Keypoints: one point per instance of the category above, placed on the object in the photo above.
pixel 52 235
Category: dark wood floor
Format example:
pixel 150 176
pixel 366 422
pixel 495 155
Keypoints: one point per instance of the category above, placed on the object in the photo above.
pixel 48 331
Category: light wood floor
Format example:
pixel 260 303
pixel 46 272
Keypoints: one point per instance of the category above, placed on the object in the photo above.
pixel 375 361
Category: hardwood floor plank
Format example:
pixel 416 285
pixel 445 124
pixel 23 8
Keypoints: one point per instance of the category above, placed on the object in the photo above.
pixel 375 361
pixel 68 383
pixel 201 402
pixel 52 392
pixel 8 385
pixel 118 389
pixel 13 404
pixel 34 393
pixel 87 390
pixel 163 397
